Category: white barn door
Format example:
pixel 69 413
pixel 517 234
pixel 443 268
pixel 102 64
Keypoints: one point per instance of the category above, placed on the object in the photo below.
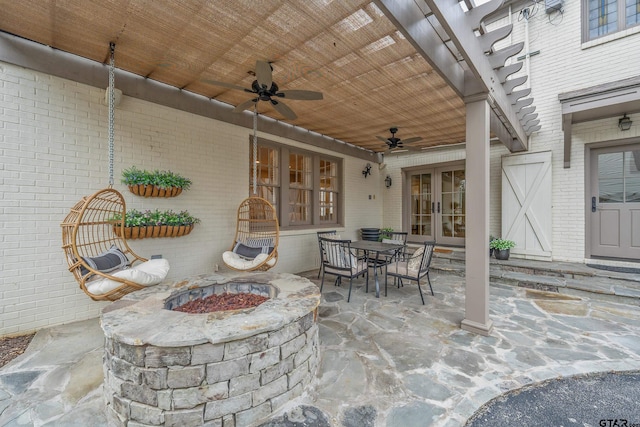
pixel 526 204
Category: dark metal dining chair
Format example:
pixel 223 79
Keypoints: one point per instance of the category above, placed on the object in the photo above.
pixel 412 267
pixel 326 233
pixel 340 260
pixel 397 237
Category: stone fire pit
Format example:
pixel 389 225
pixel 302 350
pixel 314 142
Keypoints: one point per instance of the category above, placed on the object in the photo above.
pixel 165 367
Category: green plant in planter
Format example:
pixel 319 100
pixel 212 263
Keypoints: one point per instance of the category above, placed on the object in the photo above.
pixel 384 232
pixel 501 244
pixel 161 179
pixel 136 218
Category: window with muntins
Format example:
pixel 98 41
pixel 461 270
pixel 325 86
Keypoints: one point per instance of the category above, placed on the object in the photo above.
pixel 328 191
pixel 305 190
pixel 603 17
pixel 268 168
pixel 300 189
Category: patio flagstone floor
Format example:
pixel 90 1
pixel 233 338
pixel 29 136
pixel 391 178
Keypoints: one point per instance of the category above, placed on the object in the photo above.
pixel 384 362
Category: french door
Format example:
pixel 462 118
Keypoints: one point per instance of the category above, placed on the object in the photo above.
pixel 437 205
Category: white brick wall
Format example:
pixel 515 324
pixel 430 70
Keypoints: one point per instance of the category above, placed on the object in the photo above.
pixel 54 150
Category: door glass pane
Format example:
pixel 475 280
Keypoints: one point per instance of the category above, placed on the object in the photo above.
pixel 632 176
pixel 453 208
pixel 610 178
pixel 421 204
pixel 459 210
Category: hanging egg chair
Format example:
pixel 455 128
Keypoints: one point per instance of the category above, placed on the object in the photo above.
pixel 98 256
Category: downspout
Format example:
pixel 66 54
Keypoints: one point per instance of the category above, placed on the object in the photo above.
pixel 525 14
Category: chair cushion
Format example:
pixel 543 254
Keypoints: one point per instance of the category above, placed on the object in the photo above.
pixel 416 258
pixel 236 261
pixel 148 273
pixel 340 257
pixel 403 269
pixel 111 260
pixel 358 267
pixel 260 242
pixel 250 252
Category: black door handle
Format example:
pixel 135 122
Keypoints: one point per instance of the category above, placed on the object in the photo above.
pixel 593 204
pixel 438 207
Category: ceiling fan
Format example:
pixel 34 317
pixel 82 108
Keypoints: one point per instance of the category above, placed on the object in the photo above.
pixel 265 89
pixel 394 143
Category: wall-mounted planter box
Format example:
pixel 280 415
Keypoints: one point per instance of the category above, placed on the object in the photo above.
pixel 149 231
pixel 154 183
pixel 153 191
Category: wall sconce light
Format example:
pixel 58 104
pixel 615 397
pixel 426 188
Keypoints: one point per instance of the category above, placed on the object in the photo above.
pixel 387 181
pixel 367 170
pixel 625 122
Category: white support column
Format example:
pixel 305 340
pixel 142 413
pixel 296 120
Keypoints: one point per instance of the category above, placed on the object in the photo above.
pixel 477 221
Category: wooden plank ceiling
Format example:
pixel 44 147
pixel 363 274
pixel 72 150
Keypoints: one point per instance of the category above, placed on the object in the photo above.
pixel 370 75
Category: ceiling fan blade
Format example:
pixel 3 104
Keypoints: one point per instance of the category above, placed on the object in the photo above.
pixel 385 140
pixel 263 74
pixel 410 140
pixel 246 104
pixel 284 110
pixel 398 150
pixel 227 85
pixel 303 95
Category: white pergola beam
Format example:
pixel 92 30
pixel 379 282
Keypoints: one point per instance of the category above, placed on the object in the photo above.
pixel 411 22
pixel 459 26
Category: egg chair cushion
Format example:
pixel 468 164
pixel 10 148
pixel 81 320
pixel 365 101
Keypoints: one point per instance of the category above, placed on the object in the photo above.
pixel 148 273
pixel 238 262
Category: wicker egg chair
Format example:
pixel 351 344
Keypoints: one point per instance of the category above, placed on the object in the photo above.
pixel 255 246
pixel 89 230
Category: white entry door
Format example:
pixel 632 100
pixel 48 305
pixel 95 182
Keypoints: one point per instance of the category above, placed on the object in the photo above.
pixel 526 203
pixel 614 210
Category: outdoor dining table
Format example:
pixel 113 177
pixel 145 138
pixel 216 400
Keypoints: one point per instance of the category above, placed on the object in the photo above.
pixel 370 247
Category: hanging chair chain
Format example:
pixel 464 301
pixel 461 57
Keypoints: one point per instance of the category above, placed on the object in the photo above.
pixel 255 149
pixel 112 101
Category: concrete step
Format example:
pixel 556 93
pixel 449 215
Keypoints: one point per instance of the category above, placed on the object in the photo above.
pixel 563 277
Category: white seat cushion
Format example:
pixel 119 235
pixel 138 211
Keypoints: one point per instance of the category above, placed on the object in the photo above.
pixel 403 269
pixel 234 260
pixel 358 267
pixel 148 273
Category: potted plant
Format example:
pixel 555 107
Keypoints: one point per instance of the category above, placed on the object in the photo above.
pixel 384 232
pixel 141 224
pixel 154 184
pixel 491 239
pixel 501 248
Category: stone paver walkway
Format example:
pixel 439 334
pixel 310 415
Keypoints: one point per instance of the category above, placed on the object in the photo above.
pixel 384 362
